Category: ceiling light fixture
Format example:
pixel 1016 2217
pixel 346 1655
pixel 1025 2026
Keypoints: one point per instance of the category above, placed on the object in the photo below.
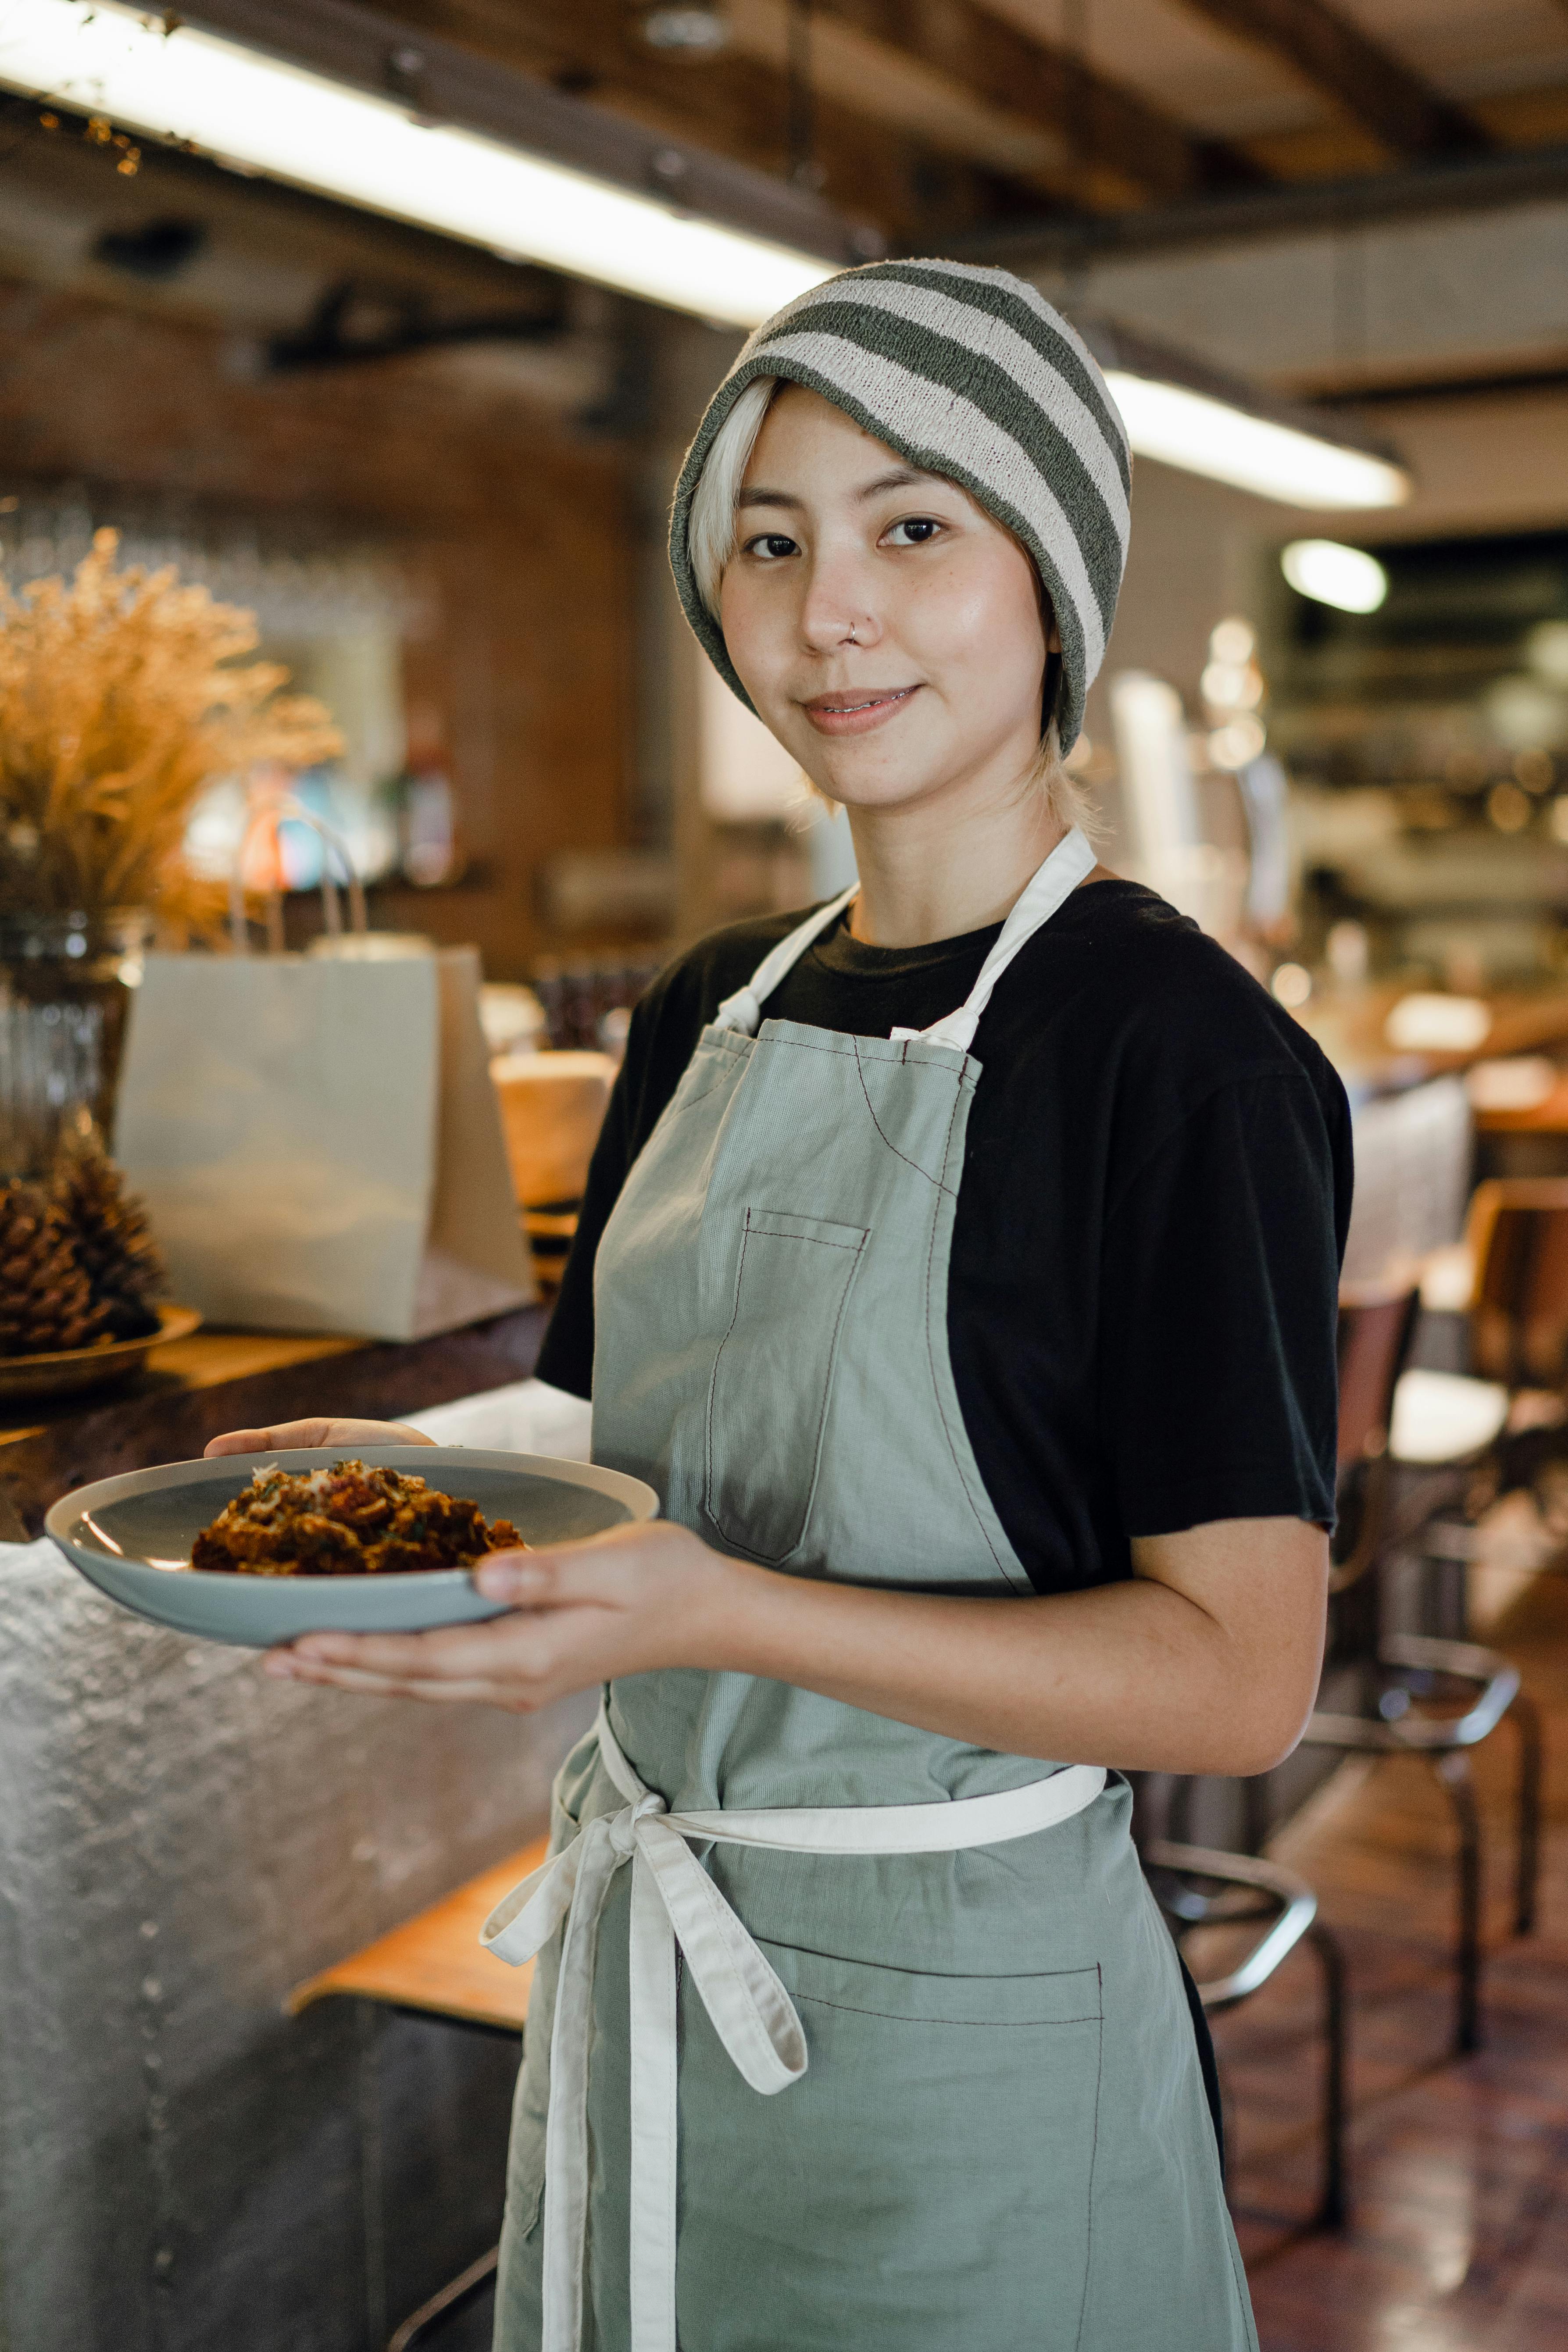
pixel 1275 461
pixel 1348 578
pixel 695 31
pixel 241 106
pixel 1185 414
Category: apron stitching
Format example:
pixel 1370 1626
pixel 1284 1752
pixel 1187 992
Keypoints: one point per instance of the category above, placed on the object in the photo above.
pixel 772 1558
pixel 713 1376
pixel 676 1108
pixel 984 2024
pixel 1093 2152
pixel 860 1074
pixel 936 1382
pixel 818 1240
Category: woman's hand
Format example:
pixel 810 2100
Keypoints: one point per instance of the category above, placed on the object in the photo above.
pixel 314 1432
pixel 579 1614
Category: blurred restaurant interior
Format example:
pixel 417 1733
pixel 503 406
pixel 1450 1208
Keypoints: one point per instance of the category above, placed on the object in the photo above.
pixel 421 422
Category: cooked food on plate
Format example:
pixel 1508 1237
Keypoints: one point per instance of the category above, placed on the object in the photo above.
pixel 349 1520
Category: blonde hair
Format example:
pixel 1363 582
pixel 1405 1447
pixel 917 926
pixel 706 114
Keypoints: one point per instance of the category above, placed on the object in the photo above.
pixel 710 543
pixel 710 533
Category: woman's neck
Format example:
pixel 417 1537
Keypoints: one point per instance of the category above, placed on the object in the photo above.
pixel 934 872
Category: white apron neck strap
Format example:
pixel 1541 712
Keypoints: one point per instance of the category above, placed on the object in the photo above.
pixel 1049 888
pixel 744 1011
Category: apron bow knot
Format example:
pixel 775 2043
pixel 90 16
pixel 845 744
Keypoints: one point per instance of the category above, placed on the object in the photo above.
pixel 676 1905
pixel 624 1827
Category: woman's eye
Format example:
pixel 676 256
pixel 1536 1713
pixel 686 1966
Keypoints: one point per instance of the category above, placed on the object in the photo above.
pixel 770 545
pixel 915 530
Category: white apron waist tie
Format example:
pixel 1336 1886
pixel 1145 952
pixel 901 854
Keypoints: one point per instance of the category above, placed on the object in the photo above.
pixel 675 1904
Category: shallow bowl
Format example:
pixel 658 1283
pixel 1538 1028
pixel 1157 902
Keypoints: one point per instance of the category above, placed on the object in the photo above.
pixel 131 1536
pixel 63 1371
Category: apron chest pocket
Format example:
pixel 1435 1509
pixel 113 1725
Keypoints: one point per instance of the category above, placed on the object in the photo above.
pixel 773 1377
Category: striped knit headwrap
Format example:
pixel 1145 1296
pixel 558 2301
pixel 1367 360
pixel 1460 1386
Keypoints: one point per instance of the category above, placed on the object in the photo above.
pixel 970 373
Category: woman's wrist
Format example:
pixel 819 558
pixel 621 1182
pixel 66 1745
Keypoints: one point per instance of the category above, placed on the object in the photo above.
pixel 725 1611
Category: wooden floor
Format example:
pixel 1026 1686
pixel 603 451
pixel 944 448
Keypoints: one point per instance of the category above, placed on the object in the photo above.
pixel 1458 2235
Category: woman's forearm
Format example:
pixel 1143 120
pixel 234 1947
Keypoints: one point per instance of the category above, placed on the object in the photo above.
pixel 1137 1674
pixel 1207 1661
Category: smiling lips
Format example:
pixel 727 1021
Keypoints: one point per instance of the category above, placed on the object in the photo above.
pixel 852 713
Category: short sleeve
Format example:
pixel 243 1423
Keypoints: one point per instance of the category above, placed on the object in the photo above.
pixel 566 1356
pixel 1218 1388
pixel 664 1029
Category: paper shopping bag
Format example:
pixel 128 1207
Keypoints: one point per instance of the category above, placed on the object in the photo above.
pixel 318 1143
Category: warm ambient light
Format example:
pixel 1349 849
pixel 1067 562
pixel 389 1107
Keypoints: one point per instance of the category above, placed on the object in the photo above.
pixel 246 109
pixel 1204 436
pixel 1346 577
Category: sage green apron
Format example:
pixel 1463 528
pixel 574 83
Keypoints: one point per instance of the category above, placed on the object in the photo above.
pixel 987 2128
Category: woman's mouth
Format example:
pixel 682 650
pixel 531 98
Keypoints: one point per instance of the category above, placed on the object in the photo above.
pixel 857 712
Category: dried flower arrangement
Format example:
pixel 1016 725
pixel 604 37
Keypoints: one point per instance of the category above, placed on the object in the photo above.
pixel 120 702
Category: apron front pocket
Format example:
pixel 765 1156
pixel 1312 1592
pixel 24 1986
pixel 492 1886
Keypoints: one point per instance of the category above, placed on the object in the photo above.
pixel 773 1377
pixel 927 2185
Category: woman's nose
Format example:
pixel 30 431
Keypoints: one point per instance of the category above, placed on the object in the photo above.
pixel 836 611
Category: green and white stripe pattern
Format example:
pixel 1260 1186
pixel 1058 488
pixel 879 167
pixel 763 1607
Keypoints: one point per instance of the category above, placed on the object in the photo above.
pixel 967 373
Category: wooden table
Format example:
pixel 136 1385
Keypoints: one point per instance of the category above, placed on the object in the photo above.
pixel 194 1388
pixel 1349 1029
pixel 434 1961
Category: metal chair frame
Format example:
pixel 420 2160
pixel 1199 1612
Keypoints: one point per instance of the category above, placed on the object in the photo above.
pixel 1412 1666
pixel 451 2298
pixel 1291 1907
pixel 1445 1741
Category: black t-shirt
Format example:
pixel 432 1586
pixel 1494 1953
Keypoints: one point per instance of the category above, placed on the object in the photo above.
pixel 1146 1246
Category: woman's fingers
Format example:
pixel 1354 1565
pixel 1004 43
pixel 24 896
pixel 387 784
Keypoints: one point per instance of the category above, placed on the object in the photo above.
pixel 613 1570
pixel 269 1440
pixel 451 1651
pixel 505 1662
pixel 369 1685
pixel 323 1431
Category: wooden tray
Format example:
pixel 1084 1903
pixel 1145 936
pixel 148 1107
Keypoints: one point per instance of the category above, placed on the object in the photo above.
pixel 58 1374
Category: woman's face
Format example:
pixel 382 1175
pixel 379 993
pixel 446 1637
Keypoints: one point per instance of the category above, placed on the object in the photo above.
pixel 888 632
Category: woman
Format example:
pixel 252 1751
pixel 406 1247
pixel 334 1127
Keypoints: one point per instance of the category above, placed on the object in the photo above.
pixel 960 1265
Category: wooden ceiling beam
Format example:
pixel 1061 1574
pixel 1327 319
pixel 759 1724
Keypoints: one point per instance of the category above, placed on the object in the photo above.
pixel 1368 81
pixel 730 103
pixel 1103 127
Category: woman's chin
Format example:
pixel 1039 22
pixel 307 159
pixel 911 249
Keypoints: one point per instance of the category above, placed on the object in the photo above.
pixel 866 788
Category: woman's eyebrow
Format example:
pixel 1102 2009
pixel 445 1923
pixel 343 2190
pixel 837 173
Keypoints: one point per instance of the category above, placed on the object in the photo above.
pixel 764 498
pixel 899 478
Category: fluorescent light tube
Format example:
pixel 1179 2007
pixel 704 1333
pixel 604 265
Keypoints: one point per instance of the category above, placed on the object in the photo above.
pixel 243 107
pixel 1346 577
pixel 1205 435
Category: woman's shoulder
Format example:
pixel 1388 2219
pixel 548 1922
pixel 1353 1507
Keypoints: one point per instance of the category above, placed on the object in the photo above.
pixel 672 1014
pixel 693 984
pixel 1151 995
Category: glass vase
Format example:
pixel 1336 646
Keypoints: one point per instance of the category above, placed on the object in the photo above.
pixel 65 987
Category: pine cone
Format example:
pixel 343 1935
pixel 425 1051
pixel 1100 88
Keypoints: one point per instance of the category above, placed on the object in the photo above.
pixel 46 1304
pixel 109 1231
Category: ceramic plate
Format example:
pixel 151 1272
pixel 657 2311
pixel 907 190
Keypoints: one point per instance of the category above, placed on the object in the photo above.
pixel 133 1537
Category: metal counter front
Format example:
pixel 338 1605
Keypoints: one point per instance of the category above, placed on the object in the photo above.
pixel 181 2165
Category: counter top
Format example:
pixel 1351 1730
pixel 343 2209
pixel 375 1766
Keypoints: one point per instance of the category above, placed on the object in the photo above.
pixel 194 1388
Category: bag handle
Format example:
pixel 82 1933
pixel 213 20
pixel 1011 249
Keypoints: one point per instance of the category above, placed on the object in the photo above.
pixel 275 812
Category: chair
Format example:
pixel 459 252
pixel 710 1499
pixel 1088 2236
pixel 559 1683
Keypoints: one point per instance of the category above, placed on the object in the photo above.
pixel 1198 1886
pixel 1399 1678
pixel 433 1964
pixel 1510 1275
